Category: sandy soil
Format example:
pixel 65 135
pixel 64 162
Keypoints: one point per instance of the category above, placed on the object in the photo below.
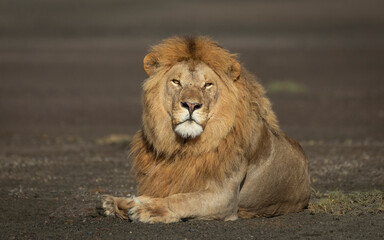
pixel 71 73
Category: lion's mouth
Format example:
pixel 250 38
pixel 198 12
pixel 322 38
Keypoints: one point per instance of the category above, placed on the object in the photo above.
pixel 190 120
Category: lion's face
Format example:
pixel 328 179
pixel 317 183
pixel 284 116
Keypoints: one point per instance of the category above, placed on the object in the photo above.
pixel 191 94
pixel 188 97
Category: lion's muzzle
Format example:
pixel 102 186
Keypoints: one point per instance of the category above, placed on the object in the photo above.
pixel 189 125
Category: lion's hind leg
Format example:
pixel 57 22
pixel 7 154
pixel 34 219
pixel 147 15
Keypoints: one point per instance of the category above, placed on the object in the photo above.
pixel 117 206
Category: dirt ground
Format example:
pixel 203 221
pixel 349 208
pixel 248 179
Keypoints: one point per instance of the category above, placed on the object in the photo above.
pixel 71 73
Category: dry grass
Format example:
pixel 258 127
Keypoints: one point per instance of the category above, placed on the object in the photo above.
pixel 356 203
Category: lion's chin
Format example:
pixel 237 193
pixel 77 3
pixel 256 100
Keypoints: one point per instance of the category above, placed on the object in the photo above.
pixel 189 129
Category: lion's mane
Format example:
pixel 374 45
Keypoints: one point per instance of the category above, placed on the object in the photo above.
pixel 166 164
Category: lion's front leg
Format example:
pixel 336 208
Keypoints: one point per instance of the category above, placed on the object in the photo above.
pixel 216 201
pixel 143 209
pixel 199 205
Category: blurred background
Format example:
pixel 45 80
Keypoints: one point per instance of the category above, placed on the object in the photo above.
pixel 75 67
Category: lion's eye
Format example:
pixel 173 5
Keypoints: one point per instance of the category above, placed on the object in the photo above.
pixel 176 82
pixel 208 85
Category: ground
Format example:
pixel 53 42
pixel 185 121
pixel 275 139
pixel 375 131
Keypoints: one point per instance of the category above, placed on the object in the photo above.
pixel 71 74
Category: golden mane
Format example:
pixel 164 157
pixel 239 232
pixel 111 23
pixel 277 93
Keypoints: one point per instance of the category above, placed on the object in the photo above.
pixel 197 49
pixel 178 165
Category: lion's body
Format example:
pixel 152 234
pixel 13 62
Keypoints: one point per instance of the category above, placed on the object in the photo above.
pixel 224 156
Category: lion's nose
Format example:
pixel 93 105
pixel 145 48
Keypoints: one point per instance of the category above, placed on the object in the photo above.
pixel 191 106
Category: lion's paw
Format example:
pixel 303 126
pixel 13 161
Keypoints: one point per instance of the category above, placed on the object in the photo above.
pixel 117 206
pixel 151 211
pixel 108 205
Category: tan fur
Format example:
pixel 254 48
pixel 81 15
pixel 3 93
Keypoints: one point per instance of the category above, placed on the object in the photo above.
pixel 239 164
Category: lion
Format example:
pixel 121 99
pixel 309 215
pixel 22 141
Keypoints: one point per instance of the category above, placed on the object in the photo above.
pixel 210 146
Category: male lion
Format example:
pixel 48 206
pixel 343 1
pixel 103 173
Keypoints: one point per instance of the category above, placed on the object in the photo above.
pixel 210 146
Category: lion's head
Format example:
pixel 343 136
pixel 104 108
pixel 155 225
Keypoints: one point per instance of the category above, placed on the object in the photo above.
pixel 190 94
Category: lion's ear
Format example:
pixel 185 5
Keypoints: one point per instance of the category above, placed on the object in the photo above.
pixel 150 63
pixel 235 70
